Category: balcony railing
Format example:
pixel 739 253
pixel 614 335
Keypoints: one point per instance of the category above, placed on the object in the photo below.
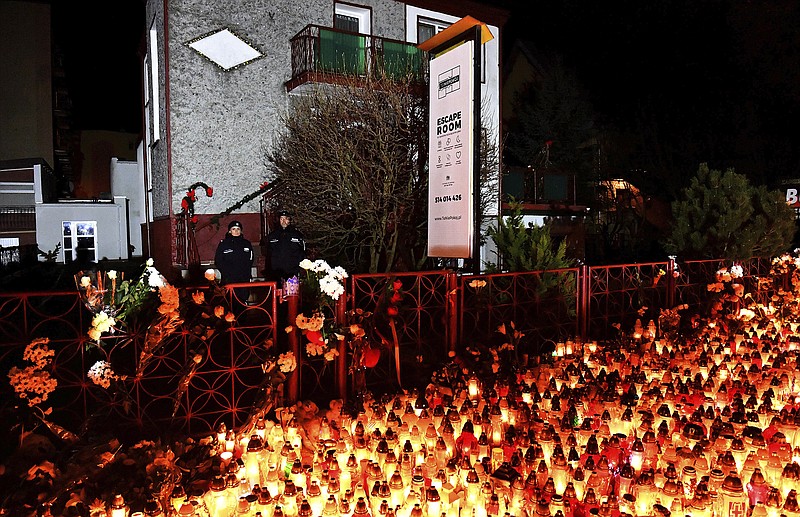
pixel 540 189
pixel 17 218
pixel 321 54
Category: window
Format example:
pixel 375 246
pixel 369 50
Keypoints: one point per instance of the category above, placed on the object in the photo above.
pixel 352 18
pixel 79 240
pixel 427 28
pixel 152 107
pixel 345 23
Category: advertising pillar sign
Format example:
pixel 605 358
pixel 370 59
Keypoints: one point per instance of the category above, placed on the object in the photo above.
pixel 450 159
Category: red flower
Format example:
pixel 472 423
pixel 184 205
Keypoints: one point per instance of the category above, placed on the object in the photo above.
pixel 185 204
pixel 396 297
pixel 264 185
pixel 392 311
pixel 191 195
pixel 314 336
pixel 209 191
pixel 397 284
pixel 194 219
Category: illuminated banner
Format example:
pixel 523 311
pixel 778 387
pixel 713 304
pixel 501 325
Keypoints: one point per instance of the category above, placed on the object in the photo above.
pixel 793 196
pixel 450 161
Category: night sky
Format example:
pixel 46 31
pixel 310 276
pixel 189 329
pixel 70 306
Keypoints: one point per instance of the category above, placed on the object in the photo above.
pixel 715 81
pixel 100 40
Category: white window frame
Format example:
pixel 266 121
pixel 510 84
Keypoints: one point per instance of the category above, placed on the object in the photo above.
pixel 74 239
pixel 362 14
pixel 415 15
pixel 152 85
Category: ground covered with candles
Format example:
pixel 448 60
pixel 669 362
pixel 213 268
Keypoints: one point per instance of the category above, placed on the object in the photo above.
pixel 693 414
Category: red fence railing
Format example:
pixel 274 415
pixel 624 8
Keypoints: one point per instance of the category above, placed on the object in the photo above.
pixel 440 311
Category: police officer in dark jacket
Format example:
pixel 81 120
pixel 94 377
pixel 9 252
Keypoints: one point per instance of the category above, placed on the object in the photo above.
pixel 234 259
pixel 287 248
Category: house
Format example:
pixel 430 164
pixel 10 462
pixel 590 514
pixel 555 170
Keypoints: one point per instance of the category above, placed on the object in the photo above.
pixel 218 76
pixel 38 145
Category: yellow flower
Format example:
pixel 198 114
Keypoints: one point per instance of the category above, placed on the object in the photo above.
pixel 86 281
pixel 229 317
pixel 288 329
pixel 94 334
pixel 219 311
pixel 112 274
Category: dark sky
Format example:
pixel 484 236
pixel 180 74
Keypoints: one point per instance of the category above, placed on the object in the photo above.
pixel 715 80
pixel 100 41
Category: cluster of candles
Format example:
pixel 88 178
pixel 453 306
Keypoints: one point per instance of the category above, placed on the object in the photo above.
pixel 704 428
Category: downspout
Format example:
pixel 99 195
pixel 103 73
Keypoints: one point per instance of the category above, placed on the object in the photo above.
pixel 167 126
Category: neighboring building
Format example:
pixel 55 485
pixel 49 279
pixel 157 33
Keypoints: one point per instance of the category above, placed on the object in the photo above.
pixel 545 192
pixel 37 212
pixel 218 76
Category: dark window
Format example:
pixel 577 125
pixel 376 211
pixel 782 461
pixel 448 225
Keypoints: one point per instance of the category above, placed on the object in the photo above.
pixel 345 23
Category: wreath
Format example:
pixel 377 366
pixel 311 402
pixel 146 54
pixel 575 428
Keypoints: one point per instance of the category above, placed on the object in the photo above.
pixel 187 203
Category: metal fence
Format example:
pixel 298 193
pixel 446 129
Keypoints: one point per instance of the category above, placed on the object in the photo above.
pixel 438 312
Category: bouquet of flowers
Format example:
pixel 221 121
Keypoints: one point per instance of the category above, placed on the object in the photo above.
pixel 322 287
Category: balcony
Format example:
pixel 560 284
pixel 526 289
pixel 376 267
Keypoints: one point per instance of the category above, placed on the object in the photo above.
pixel 325 55
pixel 541 191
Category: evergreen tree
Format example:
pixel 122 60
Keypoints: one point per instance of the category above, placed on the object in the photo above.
pixel 720 215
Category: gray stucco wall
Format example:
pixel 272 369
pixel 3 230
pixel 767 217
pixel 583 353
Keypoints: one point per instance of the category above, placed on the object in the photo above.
pixel 222 123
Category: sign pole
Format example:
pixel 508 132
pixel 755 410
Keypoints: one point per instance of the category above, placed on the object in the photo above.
pixel 476 167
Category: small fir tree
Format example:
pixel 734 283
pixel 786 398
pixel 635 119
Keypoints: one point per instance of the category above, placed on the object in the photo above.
pixel 720 215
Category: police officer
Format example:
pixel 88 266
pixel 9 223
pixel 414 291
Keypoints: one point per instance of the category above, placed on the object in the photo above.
pixel 287 248
pixel 234 259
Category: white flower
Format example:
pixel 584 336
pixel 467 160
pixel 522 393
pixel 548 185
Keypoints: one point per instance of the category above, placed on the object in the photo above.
pixel 154 279
pixel 149 262
pixel 339 273
pixel 86 281
pixel 306 264
pixel 320 266
pixel 101 374
pixel 210 274
pixel 737 271
pixel 331 286
pixel 287 362
pixel 103 322
pixel 112 274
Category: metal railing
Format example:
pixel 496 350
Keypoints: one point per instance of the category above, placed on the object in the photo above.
pixel 437 312
pixel 17 218
pixel 321 52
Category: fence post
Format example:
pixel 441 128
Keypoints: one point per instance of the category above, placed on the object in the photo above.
pixel 293 306
pixel 671 283
pixel 341 359
pixel 451 312
pixel 583 295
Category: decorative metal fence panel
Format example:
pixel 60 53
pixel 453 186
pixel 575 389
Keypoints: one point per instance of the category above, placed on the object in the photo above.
pixel 541 304
pixel 421 325
pixel 437 312
pixel 223 387
pixel 620 294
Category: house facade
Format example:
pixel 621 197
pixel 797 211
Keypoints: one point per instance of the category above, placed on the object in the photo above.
pixel 218 77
